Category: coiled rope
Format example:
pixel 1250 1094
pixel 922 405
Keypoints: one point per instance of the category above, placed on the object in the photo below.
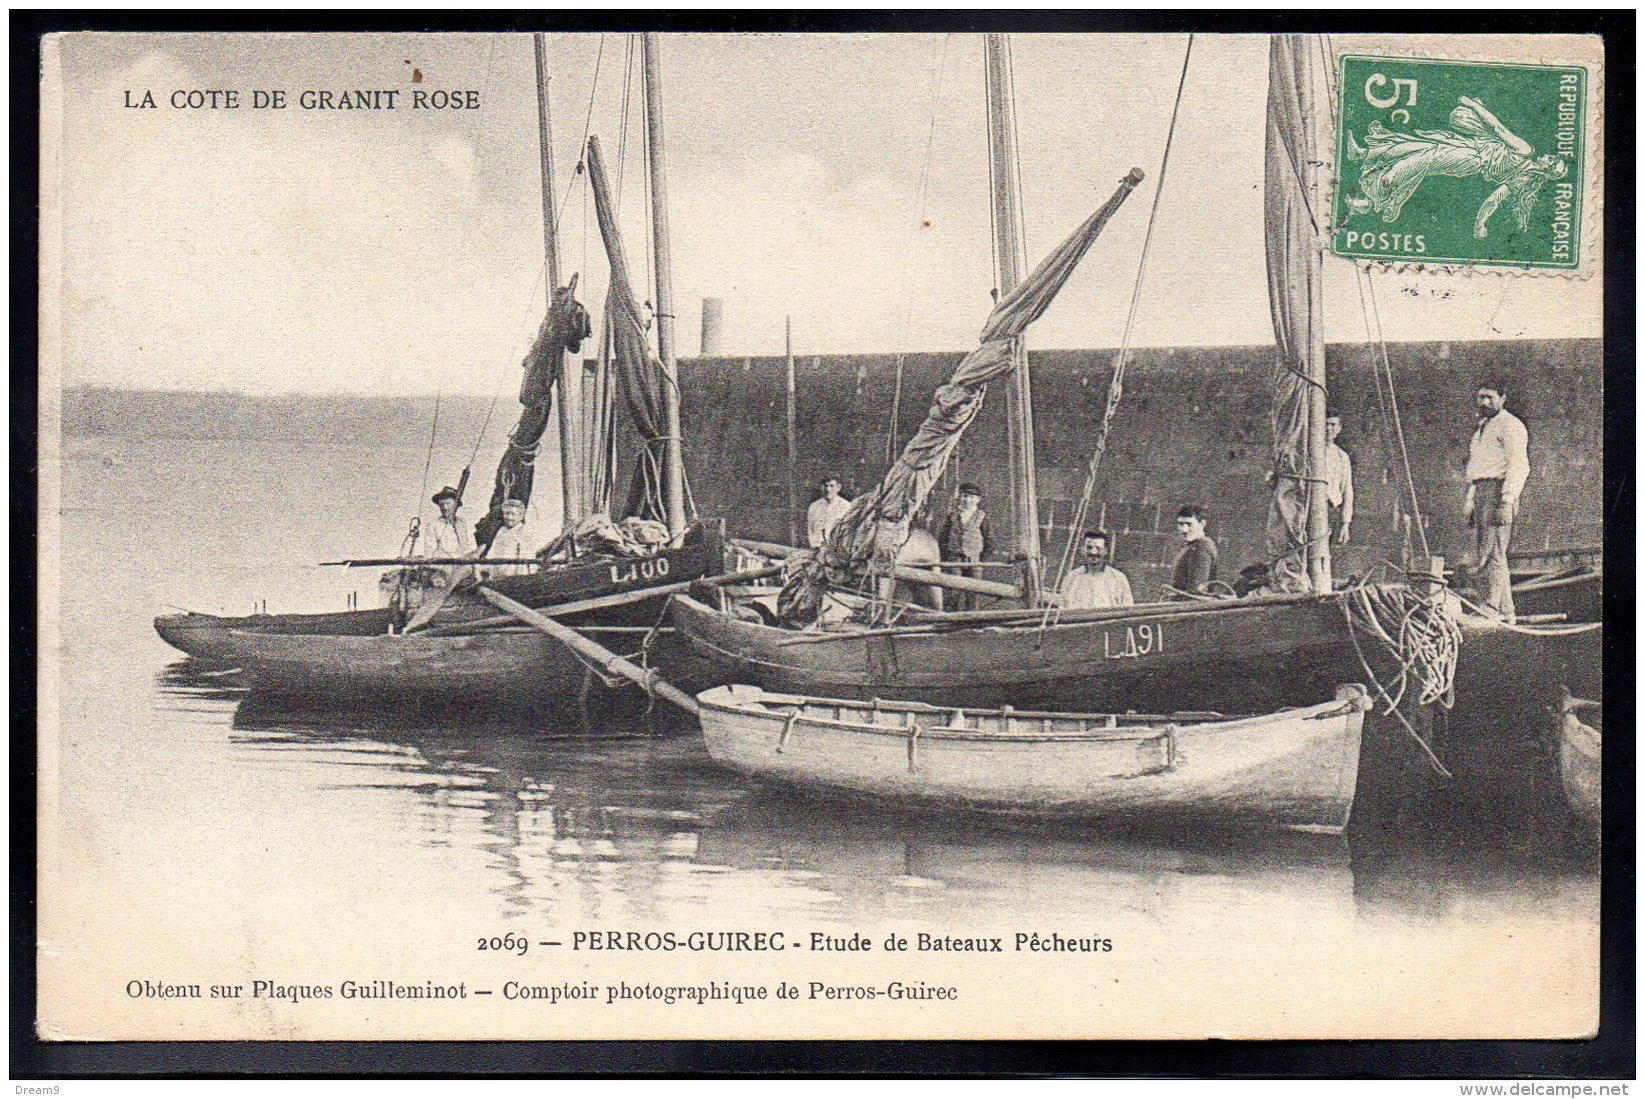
pixel 1419 637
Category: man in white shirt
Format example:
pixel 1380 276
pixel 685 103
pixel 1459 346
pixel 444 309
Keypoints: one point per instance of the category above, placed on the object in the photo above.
pixel 447 535
pixel 1498 463
pixel 1339 480
pixel 1094 583
pixel 825 511
pixel 512 540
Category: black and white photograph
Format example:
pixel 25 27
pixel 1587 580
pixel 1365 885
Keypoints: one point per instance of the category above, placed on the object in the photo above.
pixel 759 536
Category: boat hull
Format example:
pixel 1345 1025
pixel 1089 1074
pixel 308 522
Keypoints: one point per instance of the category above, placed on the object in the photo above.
pixel 226 640
pixel 513 664
pixel 1292 769
pixel 1579 768
pixel 1246 654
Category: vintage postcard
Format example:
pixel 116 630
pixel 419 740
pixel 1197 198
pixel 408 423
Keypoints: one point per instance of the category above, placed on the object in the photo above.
pixel 765 536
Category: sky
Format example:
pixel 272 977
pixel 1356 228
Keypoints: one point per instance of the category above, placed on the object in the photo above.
pixel 840 179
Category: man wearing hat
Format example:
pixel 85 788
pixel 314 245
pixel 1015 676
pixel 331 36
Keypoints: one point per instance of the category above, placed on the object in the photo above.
pixel 512 541
pixel 447 535
pixel 965 537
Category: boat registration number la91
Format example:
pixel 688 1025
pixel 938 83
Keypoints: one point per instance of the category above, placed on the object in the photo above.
pixel 1128 642
pixel 626 572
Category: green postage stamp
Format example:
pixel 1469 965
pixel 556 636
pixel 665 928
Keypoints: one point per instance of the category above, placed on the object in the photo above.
pixel 1459 162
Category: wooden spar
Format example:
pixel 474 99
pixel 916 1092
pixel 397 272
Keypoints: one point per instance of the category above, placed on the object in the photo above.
pixel 1011 263
pixel 1318 555
pixel 592 651
pixel 673 467
pixel 569 385
pixel 793 451
pixel 616 599
pixel 901 572
pixel 379 562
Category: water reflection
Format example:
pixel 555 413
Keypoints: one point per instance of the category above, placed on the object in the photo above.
pixel 618 814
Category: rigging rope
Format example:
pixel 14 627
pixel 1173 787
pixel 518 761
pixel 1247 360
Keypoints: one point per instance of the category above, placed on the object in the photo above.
pixel 921 194
pixel 1116 385
pixel 428 461
pixel 1393 407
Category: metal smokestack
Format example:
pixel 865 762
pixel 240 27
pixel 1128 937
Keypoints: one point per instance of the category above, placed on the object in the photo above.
pixel 713 327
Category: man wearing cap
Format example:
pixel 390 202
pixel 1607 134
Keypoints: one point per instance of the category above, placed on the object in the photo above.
pixel 512 540
pixel 447 535
pixel 965 537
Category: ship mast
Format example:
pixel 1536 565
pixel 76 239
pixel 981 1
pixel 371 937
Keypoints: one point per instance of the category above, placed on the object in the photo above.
pixel 570 381
pixel 1318 554
pixel 673 466
pixel 1010 262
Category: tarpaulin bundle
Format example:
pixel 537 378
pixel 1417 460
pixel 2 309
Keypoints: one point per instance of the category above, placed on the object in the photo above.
pixel 1294 299
pixel 562 332
pixel 876 525
pixel 640 374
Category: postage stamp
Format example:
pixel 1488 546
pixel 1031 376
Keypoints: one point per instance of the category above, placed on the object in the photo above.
pixel 1460 162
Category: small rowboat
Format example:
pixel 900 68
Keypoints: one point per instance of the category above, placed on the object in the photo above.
pixel 1579 758
pixel 1296 768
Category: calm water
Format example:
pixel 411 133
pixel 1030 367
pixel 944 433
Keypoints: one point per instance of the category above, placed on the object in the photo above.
pixel 188 811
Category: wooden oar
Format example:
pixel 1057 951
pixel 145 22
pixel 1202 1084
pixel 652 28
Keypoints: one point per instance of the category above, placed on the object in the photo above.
pixel 595 653
pixel 901 572
pixel 616 599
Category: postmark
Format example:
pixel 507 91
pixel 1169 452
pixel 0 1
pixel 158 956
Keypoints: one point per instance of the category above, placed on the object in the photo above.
pixel 1454 162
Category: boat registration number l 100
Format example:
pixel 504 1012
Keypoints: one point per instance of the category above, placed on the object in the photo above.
pixel 1138 640
pixel 625 572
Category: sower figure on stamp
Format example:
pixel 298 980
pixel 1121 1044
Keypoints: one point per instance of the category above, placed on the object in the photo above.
pixel 965 537
pixel 1498 464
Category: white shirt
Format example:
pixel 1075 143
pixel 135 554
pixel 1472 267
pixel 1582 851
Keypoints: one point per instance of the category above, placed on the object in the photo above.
pixel 1498 449
pixel 1339 480
pixel 448 538
pixel 511 542
pixel 821 516
pixel 1087 590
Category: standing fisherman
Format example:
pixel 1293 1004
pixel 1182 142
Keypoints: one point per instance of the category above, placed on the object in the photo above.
pixel 965 537
pixel 1497 467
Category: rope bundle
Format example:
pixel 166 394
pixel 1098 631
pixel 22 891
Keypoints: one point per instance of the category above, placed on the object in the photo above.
pixel 1419 636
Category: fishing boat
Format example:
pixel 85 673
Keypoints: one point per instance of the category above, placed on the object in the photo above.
pixel 450 641
pixel 1579 757
pixel 1281 647
pixel 1296 768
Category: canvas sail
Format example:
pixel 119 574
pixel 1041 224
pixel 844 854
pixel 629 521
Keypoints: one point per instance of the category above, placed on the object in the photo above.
pixel 876 525
pixel 562 332
pixel 638 371
pixel 1294 299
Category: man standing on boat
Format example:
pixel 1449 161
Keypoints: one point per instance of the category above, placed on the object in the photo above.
pixel 825 511
pixel 1498 464
pixel 1095 584
pixel 965 537
pixel 1196 564
pixel 512 540
pixel 1339 480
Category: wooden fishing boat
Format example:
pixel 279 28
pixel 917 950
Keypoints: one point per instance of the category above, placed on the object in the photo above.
pixel 223 640
pixel 1255 652
pixel 505 663
pixel 1296 768
pixel 1579 758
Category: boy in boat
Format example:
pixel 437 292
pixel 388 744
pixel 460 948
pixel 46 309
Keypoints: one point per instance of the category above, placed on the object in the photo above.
pixel 1196 564
pixel 511 540
pixel 825 511
pixel 965 537
pixel 1095 584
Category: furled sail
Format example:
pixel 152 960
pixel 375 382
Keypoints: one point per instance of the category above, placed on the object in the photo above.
pixel 639 373
pixel 876 524
pixel 563 331
pixel 1294 298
